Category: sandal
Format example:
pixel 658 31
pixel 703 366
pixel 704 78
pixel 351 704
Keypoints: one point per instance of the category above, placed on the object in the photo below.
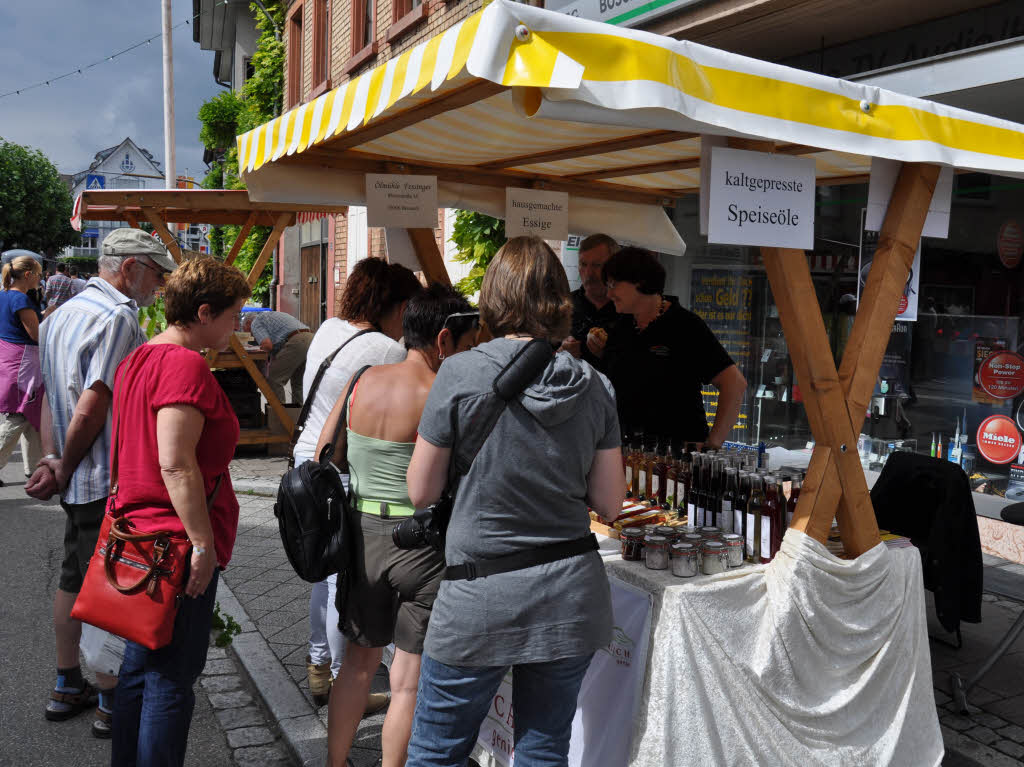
pixel 77 702
pixel 101 725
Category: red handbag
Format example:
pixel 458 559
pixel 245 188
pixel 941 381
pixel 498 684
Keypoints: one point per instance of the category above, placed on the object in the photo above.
pixel 135 581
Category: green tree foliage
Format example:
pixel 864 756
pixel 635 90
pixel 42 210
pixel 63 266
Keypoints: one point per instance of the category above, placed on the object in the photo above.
pixel 227 115
pixel 478 238
pixel 35 205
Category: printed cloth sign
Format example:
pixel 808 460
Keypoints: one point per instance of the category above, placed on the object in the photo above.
pixel 401 201
pixel 608 699
pixel 761 199
pixel 529 211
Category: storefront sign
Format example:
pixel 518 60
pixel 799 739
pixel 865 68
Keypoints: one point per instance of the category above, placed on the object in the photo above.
pixel 983 349
pixel 610 692
pixel 883 180
pixel 1002 374
pixel 761 199
pixel 625 13
pixel 533 212
pixel 724 299
pixel 1010 244
pixel 998 440
pixel 401 201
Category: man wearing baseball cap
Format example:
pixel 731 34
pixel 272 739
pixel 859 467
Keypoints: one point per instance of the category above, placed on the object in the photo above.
pixel 81 345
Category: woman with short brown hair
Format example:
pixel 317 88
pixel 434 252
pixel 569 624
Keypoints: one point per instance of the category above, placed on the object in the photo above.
pixel 174 436
pixel 552 450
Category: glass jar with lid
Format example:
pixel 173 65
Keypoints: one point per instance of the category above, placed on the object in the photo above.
pixel 685 559
pixel 656 552
pixel 714 558
pixel 632 541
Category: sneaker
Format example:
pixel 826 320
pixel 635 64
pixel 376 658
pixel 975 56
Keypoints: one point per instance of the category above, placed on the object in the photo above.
pixel 375 702
pixel 319 677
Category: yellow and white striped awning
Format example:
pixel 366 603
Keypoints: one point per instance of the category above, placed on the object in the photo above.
pixel 519 96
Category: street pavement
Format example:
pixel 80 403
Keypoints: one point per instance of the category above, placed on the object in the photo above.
pixel 234 734
pixel 276 602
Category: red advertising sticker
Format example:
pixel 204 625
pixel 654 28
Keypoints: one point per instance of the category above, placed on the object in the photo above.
pixel 1010 244
pixel 1001 375
pixel 998 439
pixel 903 305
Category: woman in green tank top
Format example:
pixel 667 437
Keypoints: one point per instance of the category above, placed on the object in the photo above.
pixel 390 590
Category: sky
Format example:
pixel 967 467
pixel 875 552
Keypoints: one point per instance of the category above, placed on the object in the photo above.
pixel 71 120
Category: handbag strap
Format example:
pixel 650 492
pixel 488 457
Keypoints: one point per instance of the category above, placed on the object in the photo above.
pixel 328 452
pixel 523 370
pixel 307 404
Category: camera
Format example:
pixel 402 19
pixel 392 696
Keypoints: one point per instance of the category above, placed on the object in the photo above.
pixel 426 527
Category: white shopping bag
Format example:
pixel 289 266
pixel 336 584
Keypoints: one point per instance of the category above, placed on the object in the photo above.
pixel 102 650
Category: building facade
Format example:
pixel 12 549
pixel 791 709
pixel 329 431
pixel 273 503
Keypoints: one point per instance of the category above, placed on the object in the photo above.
pixel 328 42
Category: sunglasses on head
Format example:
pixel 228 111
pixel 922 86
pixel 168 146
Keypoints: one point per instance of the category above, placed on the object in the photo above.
pixel 474 314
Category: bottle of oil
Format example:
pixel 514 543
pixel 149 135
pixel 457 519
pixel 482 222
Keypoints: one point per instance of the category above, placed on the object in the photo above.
pixel 642 461
pixel 771 519
pixel 739 511
pixel 671 478
pixel 794 496
pixel 631 470
pixel 755 518
pixel 726 519
pixel 684 488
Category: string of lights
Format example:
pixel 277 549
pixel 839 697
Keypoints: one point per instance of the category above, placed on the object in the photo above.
pixel 85 68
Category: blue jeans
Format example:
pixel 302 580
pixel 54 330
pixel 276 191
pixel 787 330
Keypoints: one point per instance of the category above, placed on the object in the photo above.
pixel 154 699
pixel 452 702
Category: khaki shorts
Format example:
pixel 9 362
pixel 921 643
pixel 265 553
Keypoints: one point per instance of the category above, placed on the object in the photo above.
pixel 391 590
pixel 80 533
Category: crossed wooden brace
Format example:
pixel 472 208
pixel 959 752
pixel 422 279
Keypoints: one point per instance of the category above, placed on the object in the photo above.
pixel 836 402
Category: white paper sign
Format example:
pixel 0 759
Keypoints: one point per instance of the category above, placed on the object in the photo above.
pixel 531 211
pixel 402 201
pixel 883 179
pixel 761 199
pixel 907 310
pixel 707 143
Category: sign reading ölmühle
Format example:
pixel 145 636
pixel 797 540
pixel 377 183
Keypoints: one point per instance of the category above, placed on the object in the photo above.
pixel 761 199
pixel 401 201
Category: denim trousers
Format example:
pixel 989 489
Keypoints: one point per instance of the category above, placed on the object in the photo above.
pixel 154 698
pixel 326 643
pixel 452 702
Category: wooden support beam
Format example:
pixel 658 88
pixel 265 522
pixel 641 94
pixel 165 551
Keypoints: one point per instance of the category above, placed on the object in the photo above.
pixel 131 219
pixel 468 174
pixel 588 150
pixel 156 220
pixel 243 235
pixel 638 170
pixel 205 200
pixel 261 383
pixel 429 255
pixel 894 256
pixel 284 220
pixel 836 402
pixel 471 93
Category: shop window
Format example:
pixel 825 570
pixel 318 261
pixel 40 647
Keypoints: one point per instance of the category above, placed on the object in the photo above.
pixel 364 46
pixel 294 95
pixel 406 15
pixel 321 48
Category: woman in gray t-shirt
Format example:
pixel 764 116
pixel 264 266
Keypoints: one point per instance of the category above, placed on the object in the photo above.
pixel 553 451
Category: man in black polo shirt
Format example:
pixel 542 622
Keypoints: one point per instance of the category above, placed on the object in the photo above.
pixel 591 307
pixel 659 355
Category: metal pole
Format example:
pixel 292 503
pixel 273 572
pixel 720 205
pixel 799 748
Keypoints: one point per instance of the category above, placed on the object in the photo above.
pixel 169 168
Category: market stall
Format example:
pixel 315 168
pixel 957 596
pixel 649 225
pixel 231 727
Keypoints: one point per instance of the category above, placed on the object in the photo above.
pixel 162 209
pixel 622 123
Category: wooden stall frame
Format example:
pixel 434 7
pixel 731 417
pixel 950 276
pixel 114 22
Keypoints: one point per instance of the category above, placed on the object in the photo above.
pixel 163 207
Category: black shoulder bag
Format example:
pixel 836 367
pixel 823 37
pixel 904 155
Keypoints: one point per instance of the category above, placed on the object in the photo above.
pixel 312 507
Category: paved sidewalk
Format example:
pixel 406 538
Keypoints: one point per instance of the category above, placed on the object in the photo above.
pixel 276 601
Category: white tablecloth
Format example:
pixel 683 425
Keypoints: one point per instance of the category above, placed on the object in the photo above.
pixel 810 660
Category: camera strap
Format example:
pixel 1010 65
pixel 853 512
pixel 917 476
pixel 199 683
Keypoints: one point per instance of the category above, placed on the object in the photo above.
pixel 520 560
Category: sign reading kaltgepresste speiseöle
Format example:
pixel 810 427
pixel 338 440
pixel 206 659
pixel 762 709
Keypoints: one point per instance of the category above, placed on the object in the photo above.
pixel 401 201
pixel 532 211
pixel 761 199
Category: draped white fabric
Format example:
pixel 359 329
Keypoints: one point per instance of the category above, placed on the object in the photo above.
pixel 811 660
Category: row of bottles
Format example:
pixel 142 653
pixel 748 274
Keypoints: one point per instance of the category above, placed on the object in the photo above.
pixel 714 488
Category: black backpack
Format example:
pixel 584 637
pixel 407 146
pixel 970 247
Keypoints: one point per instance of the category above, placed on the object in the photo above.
pixel 312 507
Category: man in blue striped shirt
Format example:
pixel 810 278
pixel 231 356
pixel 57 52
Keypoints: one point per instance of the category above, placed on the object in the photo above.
pixel 81 345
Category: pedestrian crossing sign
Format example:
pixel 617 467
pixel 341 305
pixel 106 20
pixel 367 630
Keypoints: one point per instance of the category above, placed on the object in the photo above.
pixel 95 182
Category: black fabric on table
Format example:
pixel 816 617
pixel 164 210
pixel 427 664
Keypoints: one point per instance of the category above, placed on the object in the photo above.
pixel 929 501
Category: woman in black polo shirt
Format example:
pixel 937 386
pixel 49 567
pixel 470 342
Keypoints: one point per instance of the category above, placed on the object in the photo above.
pixel 659 355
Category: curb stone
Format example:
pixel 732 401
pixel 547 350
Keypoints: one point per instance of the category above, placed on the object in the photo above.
pixel 301 730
